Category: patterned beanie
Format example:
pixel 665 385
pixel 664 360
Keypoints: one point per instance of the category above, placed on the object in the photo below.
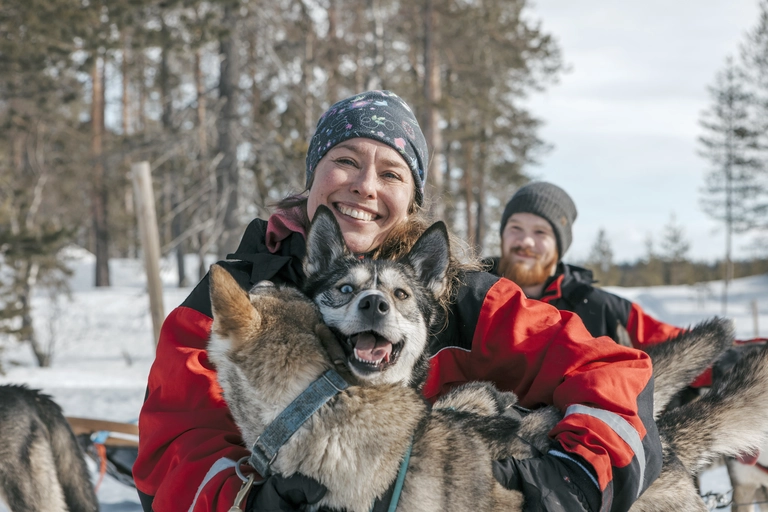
pixel 548 201
pixel 377 115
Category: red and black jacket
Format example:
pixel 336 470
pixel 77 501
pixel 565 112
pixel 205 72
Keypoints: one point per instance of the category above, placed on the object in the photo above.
pixel 189 443
pixel 603 313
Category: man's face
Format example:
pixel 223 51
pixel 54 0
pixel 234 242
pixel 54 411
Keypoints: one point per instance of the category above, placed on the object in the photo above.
pixel 528 249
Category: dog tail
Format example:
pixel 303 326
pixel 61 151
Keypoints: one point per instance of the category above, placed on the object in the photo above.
pixel 68 458
pixel 677 362
pixel 729 420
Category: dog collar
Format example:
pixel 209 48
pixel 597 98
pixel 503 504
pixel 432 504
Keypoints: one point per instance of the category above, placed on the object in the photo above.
pixel 277 433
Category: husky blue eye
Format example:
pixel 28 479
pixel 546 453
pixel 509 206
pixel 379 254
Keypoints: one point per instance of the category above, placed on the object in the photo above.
pixel 346 288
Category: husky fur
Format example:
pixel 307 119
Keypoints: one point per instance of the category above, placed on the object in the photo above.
pixel 42 468
pixel 267 346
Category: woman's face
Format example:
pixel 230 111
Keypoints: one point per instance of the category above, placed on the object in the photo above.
pixel 368 187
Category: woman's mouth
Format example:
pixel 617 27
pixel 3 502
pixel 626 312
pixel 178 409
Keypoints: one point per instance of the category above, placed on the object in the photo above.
pixel 355 213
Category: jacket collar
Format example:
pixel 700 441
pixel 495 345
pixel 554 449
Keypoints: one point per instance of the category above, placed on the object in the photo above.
pixel 567 280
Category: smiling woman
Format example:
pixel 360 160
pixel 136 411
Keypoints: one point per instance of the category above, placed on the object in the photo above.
pixel 367 186
pixel 367 164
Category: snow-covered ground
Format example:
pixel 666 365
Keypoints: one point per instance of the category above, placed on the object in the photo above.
pixel 103 348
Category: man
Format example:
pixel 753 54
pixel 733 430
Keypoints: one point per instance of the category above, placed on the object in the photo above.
pixel 535 234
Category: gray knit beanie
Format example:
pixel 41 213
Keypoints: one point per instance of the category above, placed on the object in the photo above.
pixel 548 201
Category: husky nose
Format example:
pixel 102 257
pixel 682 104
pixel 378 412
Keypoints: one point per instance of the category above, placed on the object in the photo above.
pixel 374 305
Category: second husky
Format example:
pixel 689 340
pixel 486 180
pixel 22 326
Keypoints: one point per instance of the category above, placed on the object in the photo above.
pixel 267 348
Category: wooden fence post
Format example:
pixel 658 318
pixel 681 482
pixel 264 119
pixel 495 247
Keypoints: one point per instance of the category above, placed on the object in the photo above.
pixel 150 241
pixel 755 315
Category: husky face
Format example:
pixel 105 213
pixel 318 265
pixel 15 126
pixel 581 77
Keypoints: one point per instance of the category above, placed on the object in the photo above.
pixel 381 311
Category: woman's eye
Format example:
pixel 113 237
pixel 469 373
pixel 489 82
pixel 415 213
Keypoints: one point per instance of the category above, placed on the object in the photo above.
pixel 401 294
pixel 346 288
pixel 392 176
pixel 345 161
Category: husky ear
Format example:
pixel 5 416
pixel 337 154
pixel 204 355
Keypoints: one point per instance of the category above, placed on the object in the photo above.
pixel 325 242
pixel 233 313
pixel 430 256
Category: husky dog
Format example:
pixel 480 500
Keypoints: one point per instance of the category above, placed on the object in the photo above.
pixel 41 464
pixel 749 478
pixel 268 347
pixel 750 483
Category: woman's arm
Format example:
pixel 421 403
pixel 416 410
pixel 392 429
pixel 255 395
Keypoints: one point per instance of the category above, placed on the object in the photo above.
pixel 188 443
pixel 548 357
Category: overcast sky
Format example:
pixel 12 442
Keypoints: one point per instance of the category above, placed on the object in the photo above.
pixel 624 120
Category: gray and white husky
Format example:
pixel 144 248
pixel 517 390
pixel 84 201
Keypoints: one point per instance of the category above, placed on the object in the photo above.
pixel 42 468
pixel 269 345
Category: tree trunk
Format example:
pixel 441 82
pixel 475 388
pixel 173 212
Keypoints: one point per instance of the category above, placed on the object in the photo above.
pixel 132 249
pixel 98 187
pixel 432 98
pixel 332 84
pixel 28 279
pixel 175 188
pixel 307 74
pixel 375 77
pixel 469 196
pixel 227 170
pixel 202 142
pixel 125 104
pixel 480 198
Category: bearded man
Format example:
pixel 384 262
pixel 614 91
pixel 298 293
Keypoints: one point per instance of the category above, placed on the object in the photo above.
pixel 535 234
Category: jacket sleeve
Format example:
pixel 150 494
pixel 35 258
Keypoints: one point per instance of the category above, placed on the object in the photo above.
pixel 188 442
pixel 644 330
pixel 547 356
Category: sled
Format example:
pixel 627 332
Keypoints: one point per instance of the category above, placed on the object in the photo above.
pixel 113 445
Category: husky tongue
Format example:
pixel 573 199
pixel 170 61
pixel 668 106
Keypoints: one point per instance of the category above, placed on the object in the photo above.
pixel 368 348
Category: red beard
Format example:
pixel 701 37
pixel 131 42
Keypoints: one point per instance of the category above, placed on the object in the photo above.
pixel 521 273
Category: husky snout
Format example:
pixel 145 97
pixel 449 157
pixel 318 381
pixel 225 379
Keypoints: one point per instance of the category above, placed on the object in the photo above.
pixel 374 307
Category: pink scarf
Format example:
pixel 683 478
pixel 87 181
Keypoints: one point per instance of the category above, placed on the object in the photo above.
pixel 280 225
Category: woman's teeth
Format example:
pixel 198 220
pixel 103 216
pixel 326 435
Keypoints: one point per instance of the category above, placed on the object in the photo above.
pixel 355 214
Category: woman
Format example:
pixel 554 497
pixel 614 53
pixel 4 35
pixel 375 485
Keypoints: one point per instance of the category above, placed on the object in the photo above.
pixel 367 163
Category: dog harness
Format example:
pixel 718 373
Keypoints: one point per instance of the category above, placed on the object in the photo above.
pixel 264 450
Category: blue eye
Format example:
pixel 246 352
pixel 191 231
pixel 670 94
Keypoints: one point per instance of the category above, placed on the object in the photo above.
pixel 346 288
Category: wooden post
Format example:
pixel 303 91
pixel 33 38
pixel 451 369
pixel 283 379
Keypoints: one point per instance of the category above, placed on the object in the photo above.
pixel 150 241
pixel 754 318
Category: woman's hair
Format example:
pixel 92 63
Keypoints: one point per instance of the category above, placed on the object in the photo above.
pixel 400 240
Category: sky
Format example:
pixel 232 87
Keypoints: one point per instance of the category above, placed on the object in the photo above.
pixel 102 344
pixel 624 119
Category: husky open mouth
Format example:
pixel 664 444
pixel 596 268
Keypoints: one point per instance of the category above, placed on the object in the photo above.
pixel 370 352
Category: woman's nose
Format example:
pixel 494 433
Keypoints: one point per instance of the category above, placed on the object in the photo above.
pixel 365 181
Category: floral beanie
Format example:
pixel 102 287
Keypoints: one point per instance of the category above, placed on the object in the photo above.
pixel 379 115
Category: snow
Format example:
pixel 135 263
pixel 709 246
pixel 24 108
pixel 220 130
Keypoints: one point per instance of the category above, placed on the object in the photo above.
pixel 102 343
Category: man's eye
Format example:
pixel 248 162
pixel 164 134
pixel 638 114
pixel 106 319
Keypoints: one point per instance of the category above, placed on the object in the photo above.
pixel 401 294
pixel 346 289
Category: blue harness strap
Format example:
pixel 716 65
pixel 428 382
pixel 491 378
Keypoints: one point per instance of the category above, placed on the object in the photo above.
pixel 264 450
pixel 400 479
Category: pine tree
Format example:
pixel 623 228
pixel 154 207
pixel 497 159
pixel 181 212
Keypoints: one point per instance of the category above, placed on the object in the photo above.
pixel 754 58
pixel 729 143
pixel 674 251
pixel 600 258
pixel 29 260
